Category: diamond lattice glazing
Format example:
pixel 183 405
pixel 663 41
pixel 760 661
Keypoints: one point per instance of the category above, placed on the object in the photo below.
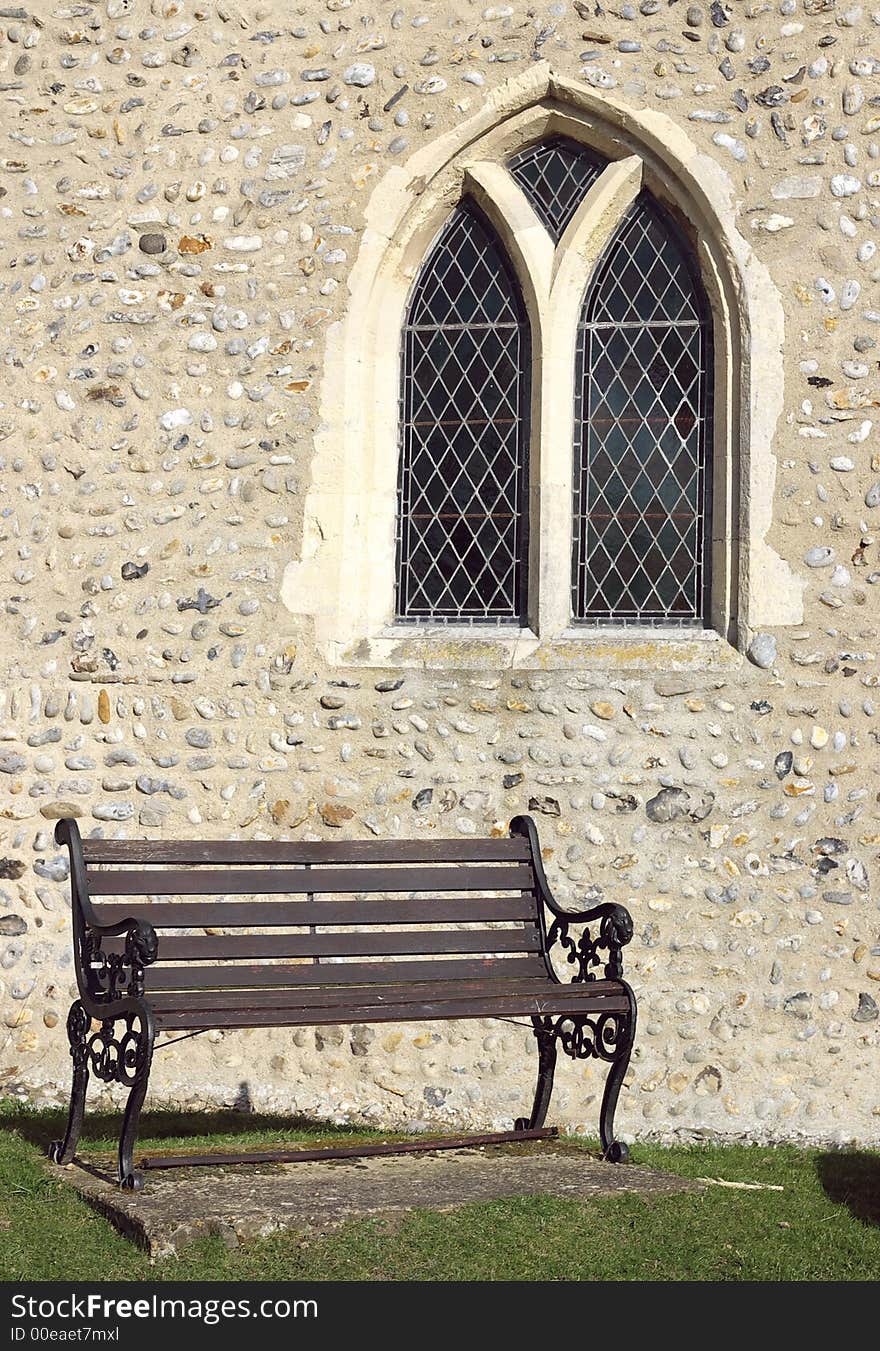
pixel 643 392
pixel 555 175
pixel 464 401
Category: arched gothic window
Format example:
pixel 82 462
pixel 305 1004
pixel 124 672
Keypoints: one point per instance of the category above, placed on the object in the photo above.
pixel 478 467
pixel 464 433
pixel 642 418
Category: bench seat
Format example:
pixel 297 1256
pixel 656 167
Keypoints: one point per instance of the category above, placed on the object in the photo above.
pixel 310 1006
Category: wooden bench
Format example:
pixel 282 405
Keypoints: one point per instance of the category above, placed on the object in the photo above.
pixel 360 931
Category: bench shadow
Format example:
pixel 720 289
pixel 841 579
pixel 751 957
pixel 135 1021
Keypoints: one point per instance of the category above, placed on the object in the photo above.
pixel 851 1178
pixel 101 1128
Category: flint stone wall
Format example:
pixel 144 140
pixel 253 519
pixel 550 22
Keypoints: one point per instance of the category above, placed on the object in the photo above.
pixel 182 193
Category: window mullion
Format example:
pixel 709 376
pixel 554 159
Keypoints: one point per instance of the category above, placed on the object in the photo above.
pixel 554 433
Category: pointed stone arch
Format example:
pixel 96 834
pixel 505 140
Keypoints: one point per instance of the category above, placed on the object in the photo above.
pixel 344 578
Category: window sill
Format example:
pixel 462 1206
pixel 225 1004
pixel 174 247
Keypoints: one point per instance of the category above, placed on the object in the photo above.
pixel 450 648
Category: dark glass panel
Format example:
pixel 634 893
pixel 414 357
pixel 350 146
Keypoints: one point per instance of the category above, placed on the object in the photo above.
pixel 642 473
pixel 647 275
pixel 556 175
pixel 461 537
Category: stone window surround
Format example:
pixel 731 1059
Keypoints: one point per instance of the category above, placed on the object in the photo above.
pixel 346 571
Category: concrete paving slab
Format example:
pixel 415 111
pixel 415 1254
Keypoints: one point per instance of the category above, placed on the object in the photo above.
pixel 251 1201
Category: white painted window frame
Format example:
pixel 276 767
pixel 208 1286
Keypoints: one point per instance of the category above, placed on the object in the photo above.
pixel 345 579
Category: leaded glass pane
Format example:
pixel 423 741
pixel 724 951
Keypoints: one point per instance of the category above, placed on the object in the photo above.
pixel 556 175
pixel 464 404
pixel 642 432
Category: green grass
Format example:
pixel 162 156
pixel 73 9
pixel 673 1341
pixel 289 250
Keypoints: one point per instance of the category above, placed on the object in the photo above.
pixel 824 1225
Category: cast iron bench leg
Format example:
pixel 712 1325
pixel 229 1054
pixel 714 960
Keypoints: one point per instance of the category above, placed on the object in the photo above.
pixel 615 1151
pixel 78 1023
pixel 546 1039
pixel 136 1057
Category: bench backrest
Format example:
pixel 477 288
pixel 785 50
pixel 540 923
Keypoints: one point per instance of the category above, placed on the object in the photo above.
pixel 438 909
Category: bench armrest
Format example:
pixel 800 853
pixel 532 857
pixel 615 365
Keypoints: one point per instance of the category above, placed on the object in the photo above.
pixel 103 977
pixel 615 921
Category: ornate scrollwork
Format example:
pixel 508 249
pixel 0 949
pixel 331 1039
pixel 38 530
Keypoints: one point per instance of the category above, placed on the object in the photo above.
pixel 78 1024
pixel 119 975
pixel 581 1036
pixel 605 1035
pixel 579 952
pixel 119 1058
pixel 585 952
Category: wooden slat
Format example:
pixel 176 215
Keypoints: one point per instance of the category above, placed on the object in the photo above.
pixel 560 1000
pixel 238 947
pixel 305 851
pixel 342 997
pixel 246 882
pixel 269 914
pixel 272 976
